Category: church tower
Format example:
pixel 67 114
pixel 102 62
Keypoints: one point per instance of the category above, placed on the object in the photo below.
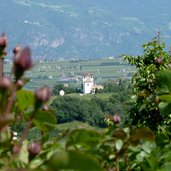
pixel 88 83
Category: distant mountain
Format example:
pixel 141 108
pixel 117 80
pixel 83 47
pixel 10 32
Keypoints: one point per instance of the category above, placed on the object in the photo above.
pixel 84 28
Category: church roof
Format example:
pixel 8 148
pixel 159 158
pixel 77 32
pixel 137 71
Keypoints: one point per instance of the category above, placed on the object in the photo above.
pixel 88 80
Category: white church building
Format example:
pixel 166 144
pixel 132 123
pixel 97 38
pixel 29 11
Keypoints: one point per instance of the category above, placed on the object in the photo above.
pixel 88 84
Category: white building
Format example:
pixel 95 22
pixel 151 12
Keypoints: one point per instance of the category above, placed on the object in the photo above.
pixel 88 84
pixel 61 93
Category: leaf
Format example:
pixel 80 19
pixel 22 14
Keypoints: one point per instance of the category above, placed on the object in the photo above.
pixel 167 166
pixel 148 147
pixel 165 98
pixel 167 156
pixel 142 134
pixel 83 137
pixel 141 155
pixel 5 136
pixel 162 139
pixel 154 163
pixel 142 107
pixel 165 108
pixel 25 99
pixel 73 160
pixel 119 144
pixel 23 156
pixel 164 81
pixel 119 134
pixel 44 120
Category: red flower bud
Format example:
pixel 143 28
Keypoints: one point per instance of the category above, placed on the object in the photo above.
pixel 3 41
pixel 20 83
pixel 43 94
pixel 17 49
pixel 116 119
pixel 16 149
pixel 45 108
pixel 34 148
pixel 159 60
pixel 23 60
pixel 4 83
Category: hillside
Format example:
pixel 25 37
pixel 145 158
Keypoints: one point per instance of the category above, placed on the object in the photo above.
pixel 84 29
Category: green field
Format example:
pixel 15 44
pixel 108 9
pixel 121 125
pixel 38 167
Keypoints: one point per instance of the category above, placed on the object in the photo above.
pixel 75 125
pixel 70 126
pixel 103 96
pixel 52 72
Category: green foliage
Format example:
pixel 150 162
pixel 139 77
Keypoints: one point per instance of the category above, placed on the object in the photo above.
pixel 133 149
pixel 145 108
pixel 44 120
pixel 24 99
pixel 164 97
pixel 67 89
pixel 68 160
pixel 91 109
pixel 85 138
pixel 115 86
pixel 68 109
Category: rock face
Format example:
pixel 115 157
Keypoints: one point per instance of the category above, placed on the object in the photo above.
pixel 84 29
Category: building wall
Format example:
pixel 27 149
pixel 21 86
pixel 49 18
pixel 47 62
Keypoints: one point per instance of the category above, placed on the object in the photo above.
pixel 87 88
pixel 88 83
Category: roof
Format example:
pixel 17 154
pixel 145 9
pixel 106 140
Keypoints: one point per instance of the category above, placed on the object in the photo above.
pixel 88 80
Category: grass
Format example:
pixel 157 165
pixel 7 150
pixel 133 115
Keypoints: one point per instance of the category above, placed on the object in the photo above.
pixel 70 126
pixel 103 96
pixel 75 125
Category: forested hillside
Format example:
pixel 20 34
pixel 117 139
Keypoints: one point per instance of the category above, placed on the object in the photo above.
pixel 84 29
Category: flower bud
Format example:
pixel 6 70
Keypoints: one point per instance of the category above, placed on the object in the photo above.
pixel 43 94
pixel 22 60
pixel 45 108
pixel 3 42
pixel 16 149
pixel 116 119
pixel 20 83
pixel 159 60
pixel 17 49
pixel 4 83
pixel 34 148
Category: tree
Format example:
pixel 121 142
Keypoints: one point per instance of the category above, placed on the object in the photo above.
pixel 68 109
pixel 67 89
pixel 145 108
